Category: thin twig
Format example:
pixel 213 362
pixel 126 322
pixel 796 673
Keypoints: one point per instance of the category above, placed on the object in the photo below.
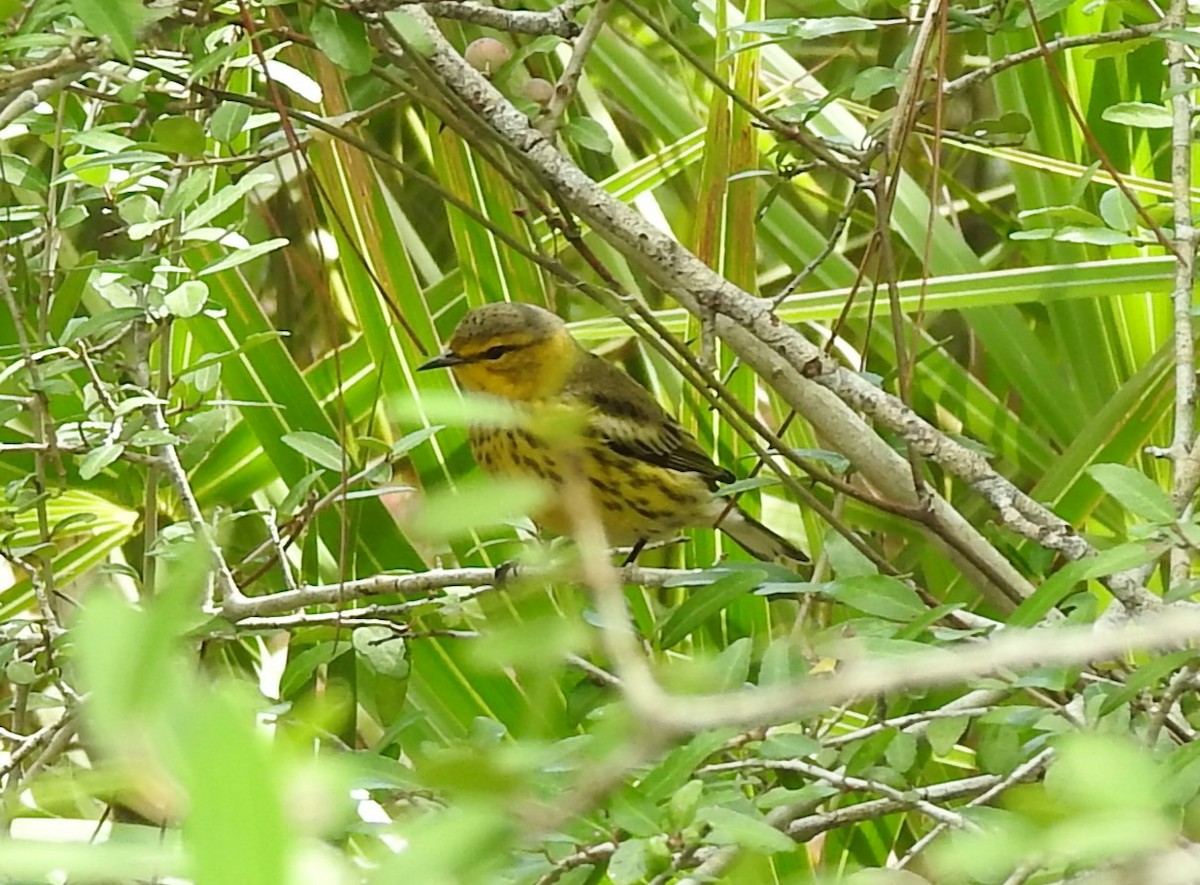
pixel 564 90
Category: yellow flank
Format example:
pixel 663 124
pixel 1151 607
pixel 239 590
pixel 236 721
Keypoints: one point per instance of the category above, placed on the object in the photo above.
pixel 648 475
pixel 637 501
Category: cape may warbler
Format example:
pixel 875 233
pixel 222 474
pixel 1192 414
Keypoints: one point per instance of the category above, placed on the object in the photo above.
pixel 649 477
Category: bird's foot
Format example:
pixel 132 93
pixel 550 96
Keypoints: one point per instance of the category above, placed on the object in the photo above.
pixel 506 571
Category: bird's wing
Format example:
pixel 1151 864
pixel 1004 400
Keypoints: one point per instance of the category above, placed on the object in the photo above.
pixel 625 417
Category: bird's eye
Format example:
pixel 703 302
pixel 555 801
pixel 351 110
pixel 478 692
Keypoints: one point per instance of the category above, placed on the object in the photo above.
pixel 494 353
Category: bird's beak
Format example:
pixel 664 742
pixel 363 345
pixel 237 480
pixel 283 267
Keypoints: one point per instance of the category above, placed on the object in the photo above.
pixel 442 361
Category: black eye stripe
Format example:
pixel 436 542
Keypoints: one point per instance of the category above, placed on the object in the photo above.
pixel 497 351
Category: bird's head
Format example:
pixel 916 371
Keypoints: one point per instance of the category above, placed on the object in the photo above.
pixel 511 350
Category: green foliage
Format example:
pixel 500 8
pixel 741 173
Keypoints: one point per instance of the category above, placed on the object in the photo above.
pixel 261 620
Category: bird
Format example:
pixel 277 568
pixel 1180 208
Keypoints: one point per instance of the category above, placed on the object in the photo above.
pixel 649 477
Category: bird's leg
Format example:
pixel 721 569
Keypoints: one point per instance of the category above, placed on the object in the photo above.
pixel 505 572
pixel 633 553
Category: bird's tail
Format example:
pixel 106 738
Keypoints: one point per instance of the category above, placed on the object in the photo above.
pixel 760 541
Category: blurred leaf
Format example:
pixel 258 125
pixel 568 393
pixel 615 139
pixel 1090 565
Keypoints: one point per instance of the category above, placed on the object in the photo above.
pixel 115 20
pixel 477 503
pixel 1139 114
pixel 731 827
pixel 343 38
pixel 410 441
pixel 179 135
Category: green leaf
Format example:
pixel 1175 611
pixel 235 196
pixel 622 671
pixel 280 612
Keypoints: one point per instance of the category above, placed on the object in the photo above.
pixel 684 802
pixel 20 672
pixel 703 604
pixel 1095 236
pixel 1059 215
pixel 879 595
pixel 186 191
pixel 586 132
pixel 629 864
pixel 137 209
pixel 901 753
pixel 115 20
pixel 847 561
pixel 1062 582
pixel 241 256
pixel 228 120
pixel 1042 9
pixel 733 665
pixel 789 745
pixel 815 28
pixel 319 449
pixel 412 32
pixel 410 441
pixel 16 171
pixel 186 300
pixel 27 860
pixel 780 796
pixel 999 749
pixel 343 38
pixel 808 28
pixel 101 322
pixel 1131 780
pixel 873 81
pixel 1139 114
pixel 731 827
pixel 479 502
pixel 452 410
pixel 225 199
pixel 97 459
pixel 1139 494
pixel 943 734
pixel 236 822
pixel 745 485
pixel 179 135
pixel 383 650
pixel 1185 36
pixel 205 62
pixel 1117 212
pixel 146 439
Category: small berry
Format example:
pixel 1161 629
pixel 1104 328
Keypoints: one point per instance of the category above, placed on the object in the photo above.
pixel 487 55
pixel 538 90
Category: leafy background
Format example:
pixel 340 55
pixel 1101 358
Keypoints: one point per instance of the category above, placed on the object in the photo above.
pixel 231 233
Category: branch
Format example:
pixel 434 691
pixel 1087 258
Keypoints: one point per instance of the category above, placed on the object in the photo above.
pixel 805 828
pixel 1182 441
pixel 865 677
pixel 846 783
pixel 564 90
pixel 419 584
pixel 558 22
pixel 974 78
